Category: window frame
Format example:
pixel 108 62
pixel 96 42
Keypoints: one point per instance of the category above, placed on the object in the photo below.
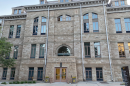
pixel 41 74
pixel 88 47
pixel 118 25
pixel 116 3
pixel 61 1
pixel 89 78
pixel 4 74
pixel 43 26
pixel 99 79
pixel 33 55
pixel 12 32
pixel 68 18
pixel 19 11
pixel 97 56
pixel 18 31
pixel 30 76
pixel 15 54
pixel 64 54
pixel 41 56
pixel 122 2
pixel 12 76
pixel 86 22
pixel 60 18
pixel 95 22
pixel 128 25
pixel 15 11
pixel 121 55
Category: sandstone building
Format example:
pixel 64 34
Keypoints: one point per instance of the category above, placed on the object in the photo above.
pixel 86 39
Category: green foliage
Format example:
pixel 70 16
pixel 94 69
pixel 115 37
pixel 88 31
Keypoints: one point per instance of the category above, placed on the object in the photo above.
pixel 5 49
pixel 10 83
pixel 34 81
pixel 3 83
pixel 25 82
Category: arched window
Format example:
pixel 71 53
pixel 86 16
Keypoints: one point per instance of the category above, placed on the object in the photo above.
pixel 95 22
pixel 35 26
pixel 68 18
pixel 43 26
pixel 64 51
pixel 60 18
pixel 86 23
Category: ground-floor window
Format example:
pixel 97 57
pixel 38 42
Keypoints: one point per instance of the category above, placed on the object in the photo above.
pixel 99 74
pixel 12 74
pixel 31 72
pixel 88 73
pixel 4 74
pixel 40 73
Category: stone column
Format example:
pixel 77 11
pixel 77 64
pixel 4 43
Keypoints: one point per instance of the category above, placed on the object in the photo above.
pixel 92 49
pixel 90 23
pixel 37 51
pixel 35 74
pixel 39 25
pixel 123 25
pixel 8 74
pixel 94 74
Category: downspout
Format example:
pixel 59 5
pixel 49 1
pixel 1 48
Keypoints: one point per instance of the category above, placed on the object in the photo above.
pixel 82 42
pixel 2 26
pixel 108 43
pixel 46 45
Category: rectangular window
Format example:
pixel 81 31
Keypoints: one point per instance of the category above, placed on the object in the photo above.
pixel 40 74
pixel 41 54
pixel 33 51
pixel 61 0
pixel 31 72
pixel 18 31
pixel 15 52
pixel 4 74
pixel 129 47
pixel 43 30
pixel 127 25
pixel 11 31
pixel 42 2
pixel 15 11
pixel 19 11
pixel 95 27
pixel 0 20
pixel 12 74
pixel 116 3
pixel 99 74
pixel 43 19
pixel 87 49
pixel 35 30
pixel 118 25
pixel 86 27
pixel 97 49
pixel 122 2
pixel 7 56
pixel 88 73
pixel 121 49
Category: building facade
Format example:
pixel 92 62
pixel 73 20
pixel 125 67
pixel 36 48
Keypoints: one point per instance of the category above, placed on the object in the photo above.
pixel 86 39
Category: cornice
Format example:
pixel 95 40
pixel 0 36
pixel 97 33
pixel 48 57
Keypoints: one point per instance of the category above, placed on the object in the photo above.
pixel 14 17
pixel 118 9
pixel 69 5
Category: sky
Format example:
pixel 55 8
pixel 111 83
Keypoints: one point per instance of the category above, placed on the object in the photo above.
pixel 6 5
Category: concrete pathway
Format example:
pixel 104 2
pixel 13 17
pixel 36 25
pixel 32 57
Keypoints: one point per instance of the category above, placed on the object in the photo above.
pixel 65 84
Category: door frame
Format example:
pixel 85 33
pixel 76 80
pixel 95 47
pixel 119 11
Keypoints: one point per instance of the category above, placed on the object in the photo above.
pixel 60 73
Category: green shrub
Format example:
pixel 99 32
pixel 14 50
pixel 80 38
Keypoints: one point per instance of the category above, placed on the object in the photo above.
pixel 29 81
pixel 14 82
pixel 25 82
pixel 34 81
pixel 10 82
pixel 3 83
pixel 21 82
pixel 17 82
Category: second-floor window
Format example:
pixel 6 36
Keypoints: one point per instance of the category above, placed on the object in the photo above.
pixel 127 25
pixel 18 31
pixel 33 51
pixel 11 31
pixel 95 22
pixel 42 47
pixel 118 25
pixel 35 26
pixel 15 52
pixel 116 3
pixel 97 49
pixel 43 27
pixel 86 23
pixel 122 2
pixel 87 49
pixel 68 18
pixel 121 49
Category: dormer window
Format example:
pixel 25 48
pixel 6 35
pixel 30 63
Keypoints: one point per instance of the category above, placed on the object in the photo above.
pixel 61 0
pixel 42 2
pixel 60 18
pixel 19 11
pixel 68 18
pixel 15 11
pixel 66 0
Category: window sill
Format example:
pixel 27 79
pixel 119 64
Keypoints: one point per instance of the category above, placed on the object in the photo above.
pixel 86 31
pixel 127 31
pixel 118 31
